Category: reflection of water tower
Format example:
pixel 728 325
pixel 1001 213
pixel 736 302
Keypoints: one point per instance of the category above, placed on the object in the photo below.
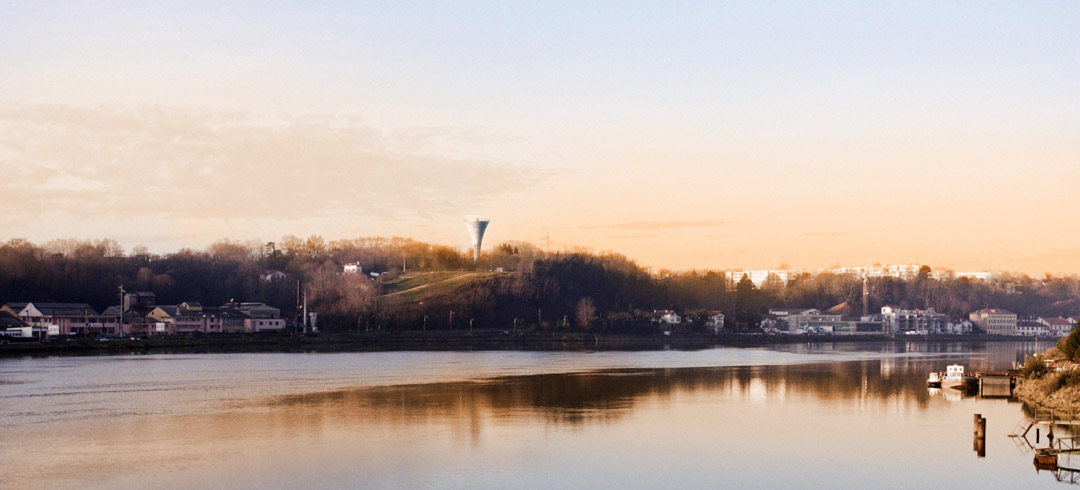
pixel 476 226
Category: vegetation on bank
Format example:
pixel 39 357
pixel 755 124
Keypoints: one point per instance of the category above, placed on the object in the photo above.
pixel 1052 379
pixel 422 286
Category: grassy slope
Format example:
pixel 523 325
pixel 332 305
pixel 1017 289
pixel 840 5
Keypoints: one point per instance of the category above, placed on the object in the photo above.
pixel 415 286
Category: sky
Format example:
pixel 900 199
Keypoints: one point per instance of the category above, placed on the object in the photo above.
pixel 685 135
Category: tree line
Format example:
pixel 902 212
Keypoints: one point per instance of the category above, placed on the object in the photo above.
pixel 560 290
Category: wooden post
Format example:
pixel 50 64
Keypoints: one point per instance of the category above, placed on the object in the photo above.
pixel 979 436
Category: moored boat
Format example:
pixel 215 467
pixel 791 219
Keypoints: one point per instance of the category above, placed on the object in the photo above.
pixel 934 380
pixel 1045 459
pixel 955 378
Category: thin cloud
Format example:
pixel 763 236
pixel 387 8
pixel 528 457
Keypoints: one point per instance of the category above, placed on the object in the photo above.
pixel 189 165
pixel 666 225
pixel 634 236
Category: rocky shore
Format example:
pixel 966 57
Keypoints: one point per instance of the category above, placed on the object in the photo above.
pixel 1050 391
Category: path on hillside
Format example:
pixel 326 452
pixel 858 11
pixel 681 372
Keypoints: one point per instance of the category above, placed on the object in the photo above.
pixel 458 278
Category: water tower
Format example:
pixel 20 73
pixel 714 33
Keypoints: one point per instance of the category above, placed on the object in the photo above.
pixel 476 226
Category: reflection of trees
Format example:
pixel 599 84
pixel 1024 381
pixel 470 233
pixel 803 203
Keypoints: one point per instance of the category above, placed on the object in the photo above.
pixel 604 396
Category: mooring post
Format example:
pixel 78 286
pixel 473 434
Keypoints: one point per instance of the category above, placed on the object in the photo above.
pixel 979 436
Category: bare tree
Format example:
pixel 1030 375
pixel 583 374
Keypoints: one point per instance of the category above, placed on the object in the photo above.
pixel 586 311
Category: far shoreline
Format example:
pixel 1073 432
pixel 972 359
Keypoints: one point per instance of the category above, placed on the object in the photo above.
pixel 454 341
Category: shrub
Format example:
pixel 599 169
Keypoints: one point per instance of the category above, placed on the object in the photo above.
pixel 1067 379
pixel 1034 367
pixel 1053 353
pixel 1071 344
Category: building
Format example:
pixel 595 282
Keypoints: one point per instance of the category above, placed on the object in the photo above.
pixel 799 320
pixel 1032 328
pixel 869 325
pixel 666 317
pixel 132 315
pixel 777 277
pixel 902 321
pixel 227 318
pixel 12 326
pixel 273 276
pixel 258 317
pixel 60 318
pixel 1059 327
pixel 959 327
pixel 256 325
pixel 185 318
pixel 352 268
pixel 715 321
pixel 139 300
pixel 994 321
pixel 791 319
pixel 899 271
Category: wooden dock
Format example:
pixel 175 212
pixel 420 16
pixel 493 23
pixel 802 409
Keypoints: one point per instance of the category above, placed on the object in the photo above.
pixel 993 384
pixel 1055 416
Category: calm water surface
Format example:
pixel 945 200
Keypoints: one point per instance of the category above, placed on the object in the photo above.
pixel 793 416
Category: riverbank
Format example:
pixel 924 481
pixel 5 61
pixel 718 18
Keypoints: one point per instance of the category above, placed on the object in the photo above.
pixel 1045 393
pixel 441 340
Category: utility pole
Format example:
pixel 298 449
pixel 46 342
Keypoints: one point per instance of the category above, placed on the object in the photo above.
pixel 120 309
pixel 305 313
pixel 425 323
pixel 865 294
pixel 297 306
pixel 451 319
pixel 470 325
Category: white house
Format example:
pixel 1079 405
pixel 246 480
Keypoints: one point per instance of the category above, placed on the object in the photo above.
pixel 715 321
pixel 273 276
pixel 1059 327
pixel 958 327
pixel 666 316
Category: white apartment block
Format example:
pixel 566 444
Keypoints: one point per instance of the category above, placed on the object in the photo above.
pixel 758 277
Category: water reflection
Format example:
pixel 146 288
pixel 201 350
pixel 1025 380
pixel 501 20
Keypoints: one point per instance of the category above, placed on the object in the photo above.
pixel 846 424
pixel 603 396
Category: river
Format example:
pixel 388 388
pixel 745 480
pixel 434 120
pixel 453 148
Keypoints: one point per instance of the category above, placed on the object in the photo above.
pixel 812 415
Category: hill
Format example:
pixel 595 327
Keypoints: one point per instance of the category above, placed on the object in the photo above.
pixel 419 286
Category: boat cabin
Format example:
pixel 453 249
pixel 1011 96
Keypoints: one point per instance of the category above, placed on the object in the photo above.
pixel 954 371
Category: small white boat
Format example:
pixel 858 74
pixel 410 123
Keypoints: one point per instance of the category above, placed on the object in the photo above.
pixel 934 380
pixel 955 377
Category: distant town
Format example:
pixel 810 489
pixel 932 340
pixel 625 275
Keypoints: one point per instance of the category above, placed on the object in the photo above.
pixel 140 316
pixel 87 289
